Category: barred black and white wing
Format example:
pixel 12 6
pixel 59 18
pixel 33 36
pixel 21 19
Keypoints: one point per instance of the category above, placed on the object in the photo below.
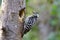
pixel 29 22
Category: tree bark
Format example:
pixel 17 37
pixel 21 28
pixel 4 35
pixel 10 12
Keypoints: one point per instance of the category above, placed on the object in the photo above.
pixel 13 12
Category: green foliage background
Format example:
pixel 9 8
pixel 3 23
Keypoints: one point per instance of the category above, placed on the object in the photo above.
pixel 0 2
pixel 54 21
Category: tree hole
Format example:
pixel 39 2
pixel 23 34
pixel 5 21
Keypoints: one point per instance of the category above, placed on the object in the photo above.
pixel 21 12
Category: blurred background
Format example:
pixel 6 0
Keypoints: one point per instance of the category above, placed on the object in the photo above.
pixel 48 25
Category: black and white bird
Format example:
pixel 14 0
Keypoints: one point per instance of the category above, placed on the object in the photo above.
pixel 30 21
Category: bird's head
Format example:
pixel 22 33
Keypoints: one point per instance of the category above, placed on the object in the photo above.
pixel 36 14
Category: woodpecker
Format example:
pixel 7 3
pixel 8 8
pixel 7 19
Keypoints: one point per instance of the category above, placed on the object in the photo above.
pixel 30 21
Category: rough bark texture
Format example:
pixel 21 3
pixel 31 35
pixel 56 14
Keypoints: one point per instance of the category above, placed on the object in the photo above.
pixel 12 19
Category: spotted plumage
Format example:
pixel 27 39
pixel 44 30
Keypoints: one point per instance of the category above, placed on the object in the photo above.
pixel 30 21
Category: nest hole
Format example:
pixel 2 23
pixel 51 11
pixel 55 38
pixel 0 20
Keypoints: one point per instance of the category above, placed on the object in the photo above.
pixel 21 12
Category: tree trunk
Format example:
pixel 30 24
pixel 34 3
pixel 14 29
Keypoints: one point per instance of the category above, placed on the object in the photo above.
pixel 12 19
